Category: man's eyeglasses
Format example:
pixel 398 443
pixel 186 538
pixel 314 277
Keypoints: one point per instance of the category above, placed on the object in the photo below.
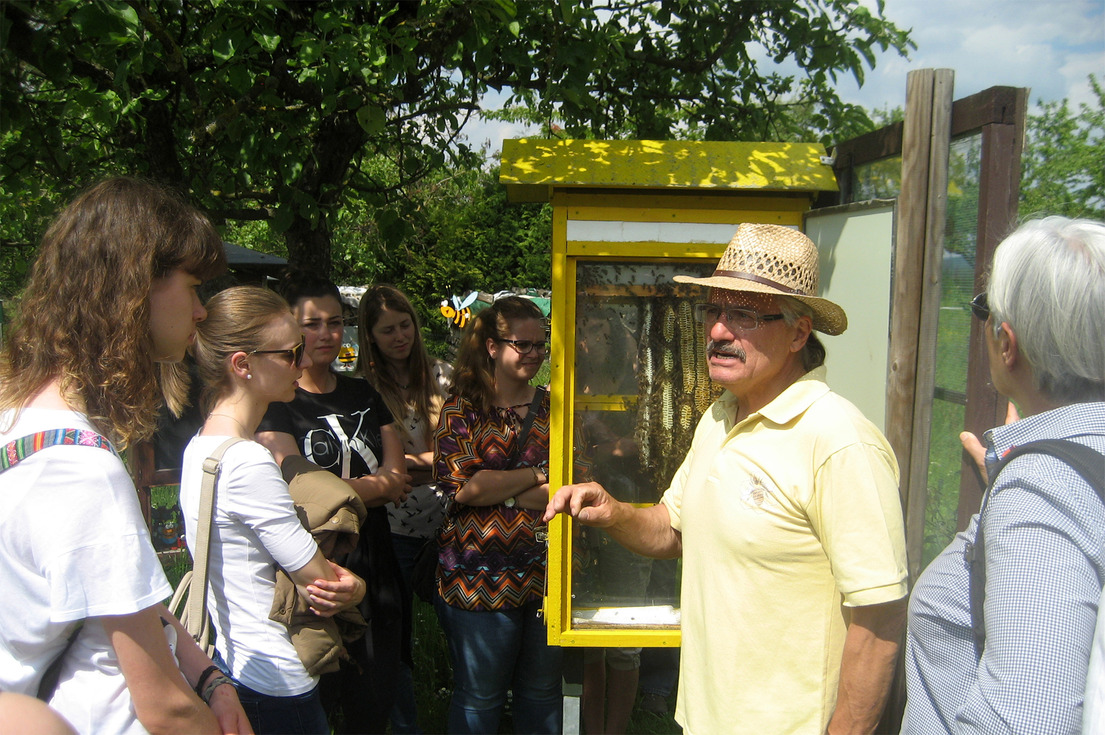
pixel 736 317
pixel 980 307
pixel 295 353
pixel 525 346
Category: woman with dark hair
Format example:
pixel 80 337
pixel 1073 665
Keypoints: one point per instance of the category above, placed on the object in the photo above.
pixel 249 353
pixel 392 357
pixel 342 424
pixel 491 571
pixel 109 311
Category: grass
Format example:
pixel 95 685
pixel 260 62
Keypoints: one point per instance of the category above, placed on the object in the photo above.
pixel 433 675
pixel 948 419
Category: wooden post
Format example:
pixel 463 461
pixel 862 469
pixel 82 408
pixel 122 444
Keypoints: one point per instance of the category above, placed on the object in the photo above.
pixel 932 258
pixel 908 271
pixel 999 185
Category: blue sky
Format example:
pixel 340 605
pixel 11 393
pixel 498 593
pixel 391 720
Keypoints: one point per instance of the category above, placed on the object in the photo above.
pixel 1050 46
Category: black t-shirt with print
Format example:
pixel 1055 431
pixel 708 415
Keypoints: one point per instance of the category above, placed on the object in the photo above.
pixel 340 431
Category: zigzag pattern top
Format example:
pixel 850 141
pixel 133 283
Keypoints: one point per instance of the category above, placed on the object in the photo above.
pixel 488 557
pixel 18 449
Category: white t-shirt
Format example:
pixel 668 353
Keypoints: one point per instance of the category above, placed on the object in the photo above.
pixel 256 529
pixel 73 546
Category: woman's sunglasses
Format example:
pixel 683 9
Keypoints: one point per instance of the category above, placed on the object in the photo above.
pixel 980 308
pixel 295 353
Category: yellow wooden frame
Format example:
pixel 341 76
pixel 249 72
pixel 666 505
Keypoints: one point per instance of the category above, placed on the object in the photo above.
pixel 650 183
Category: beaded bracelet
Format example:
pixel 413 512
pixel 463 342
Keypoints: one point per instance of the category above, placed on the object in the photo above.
pixel 216 681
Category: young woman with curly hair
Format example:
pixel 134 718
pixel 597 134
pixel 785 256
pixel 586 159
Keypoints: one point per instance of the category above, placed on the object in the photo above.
pixel 491 570
pixel 110 308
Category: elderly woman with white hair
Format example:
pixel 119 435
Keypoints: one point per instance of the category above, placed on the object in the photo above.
pixel 1019 662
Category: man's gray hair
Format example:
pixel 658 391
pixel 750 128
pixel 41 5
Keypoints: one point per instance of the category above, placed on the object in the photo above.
pixel 1047 281
pixel 813 354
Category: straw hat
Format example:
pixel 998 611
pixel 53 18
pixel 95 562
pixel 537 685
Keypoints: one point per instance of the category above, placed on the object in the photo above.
pixel 778 260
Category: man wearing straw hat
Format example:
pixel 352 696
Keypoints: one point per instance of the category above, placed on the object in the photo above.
pixel 785 512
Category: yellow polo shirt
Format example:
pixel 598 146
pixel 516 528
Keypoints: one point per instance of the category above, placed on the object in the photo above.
pixel 788 519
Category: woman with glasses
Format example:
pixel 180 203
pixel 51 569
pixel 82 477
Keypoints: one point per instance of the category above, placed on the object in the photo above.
pixel 392 357
pixel 491 572
pixel 342 424
pixel 249 353
pixel 107 314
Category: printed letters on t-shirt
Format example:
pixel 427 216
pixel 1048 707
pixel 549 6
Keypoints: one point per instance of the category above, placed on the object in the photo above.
pixel 327 448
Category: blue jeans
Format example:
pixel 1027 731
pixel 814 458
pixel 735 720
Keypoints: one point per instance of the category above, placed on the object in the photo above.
pixel 659 671
pixel 298 715
pixel 496 651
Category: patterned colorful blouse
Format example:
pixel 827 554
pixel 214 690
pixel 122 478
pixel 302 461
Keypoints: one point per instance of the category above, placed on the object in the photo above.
pixel 489 558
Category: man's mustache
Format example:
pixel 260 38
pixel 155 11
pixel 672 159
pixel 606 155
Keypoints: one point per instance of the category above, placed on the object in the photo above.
pixel 725 349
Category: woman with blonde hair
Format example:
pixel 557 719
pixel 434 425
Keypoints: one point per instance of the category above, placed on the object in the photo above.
pixel 110 308
pixel 392 357
pixel 249 353
pixel 491 454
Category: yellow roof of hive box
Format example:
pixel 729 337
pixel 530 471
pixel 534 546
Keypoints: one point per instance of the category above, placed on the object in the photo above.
pixel 532 168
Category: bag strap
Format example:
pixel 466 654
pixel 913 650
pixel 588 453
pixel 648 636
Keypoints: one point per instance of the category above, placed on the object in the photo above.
pixel 19 449
pixel 1084 460
pixel 15 452
pixel 527 422
pixel 197 621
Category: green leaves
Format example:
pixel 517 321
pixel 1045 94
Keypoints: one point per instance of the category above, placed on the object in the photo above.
pixel 1063 165
pixel 371 119
pixel 269 42
pixel 297 112
pixel 111 22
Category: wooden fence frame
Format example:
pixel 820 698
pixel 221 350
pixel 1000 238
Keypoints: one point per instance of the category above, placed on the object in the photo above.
pixel 999 114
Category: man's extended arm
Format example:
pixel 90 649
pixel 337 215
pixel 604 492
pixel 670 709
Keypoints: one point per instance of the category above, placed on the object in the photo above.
pixel 867 666
pixel 645 531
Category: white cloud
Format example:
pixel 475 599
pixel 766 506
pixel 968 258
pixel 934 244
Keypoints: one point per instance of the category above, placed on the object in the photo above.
pixel 1050 47
pixel 480 132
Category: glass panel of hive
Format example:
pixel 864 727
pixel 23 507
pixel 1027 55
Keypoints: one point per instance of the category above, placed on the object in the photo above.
pixel 639 386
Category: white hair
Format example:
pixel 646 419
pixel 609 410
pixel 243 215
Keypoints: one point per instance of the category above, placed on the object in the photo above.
pixel 813 354
pixel 1047 281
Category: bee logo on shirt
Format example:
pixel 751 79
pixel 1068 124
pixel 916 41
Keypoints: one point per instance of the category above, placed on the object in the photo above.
pixel 755 491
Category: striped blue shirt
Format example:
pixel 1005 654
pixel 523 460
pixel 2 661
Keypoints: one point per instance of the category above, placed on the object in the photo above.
pixel 1045 562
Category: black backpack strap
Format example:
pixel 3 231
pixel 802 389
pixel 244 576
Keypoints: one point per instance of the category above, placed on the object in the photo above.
pixel 527 422
pixel 1087 462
